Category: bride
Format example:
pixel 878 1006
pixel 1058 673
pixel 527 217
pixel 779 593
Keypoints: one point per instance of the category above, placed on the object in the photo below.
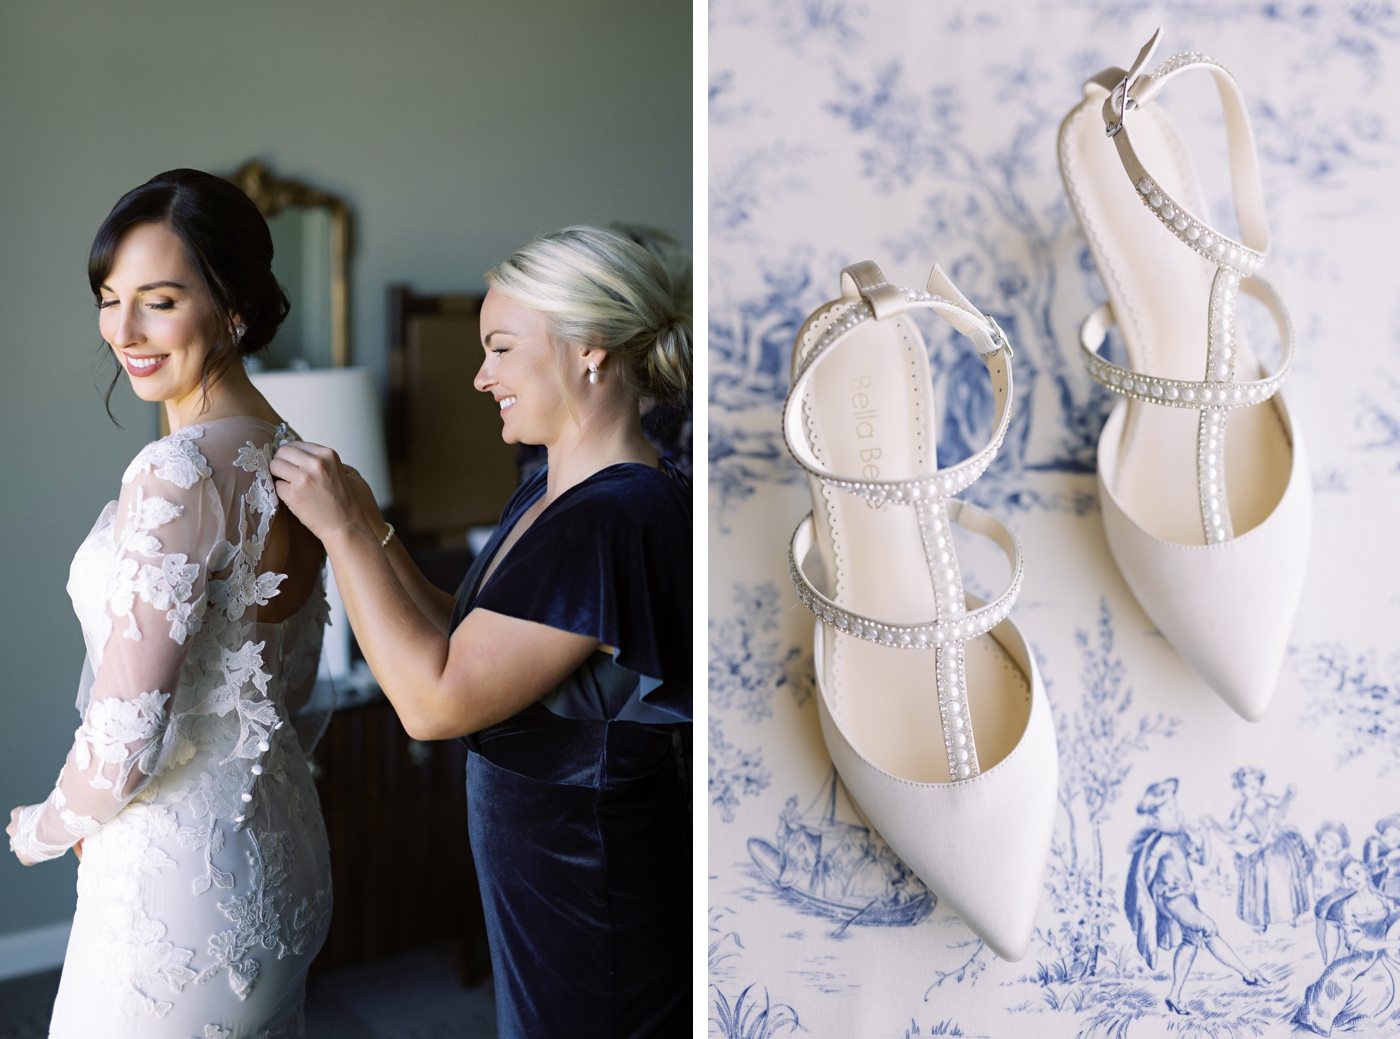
pixel 204 887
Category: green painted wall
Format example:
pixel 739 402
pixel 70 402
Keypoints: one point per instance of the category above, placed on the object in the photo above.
pixel 455 130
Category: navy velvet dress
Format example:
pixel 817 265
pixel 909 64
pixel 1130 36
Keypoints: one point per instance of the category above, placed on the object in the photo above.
pixel 578 804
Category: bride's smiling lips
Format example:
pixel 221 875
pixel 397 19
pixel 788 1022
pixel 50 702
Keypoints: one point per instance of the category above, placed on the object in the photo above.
pixel 506 403
pixel 142 366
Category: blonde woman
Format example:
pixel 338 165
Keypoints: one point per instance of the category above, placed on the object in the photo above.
pixel 565 656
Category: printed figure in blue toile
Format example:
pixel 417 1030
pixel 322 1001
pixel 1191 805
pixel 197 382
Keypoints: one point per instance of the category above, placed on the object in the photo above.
pixel 1272 859
pixel 1161 895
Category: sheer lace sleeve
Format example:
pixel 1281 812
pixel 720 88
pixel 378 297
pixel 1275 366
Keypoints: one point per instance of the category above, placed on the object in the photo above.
pixel 168 522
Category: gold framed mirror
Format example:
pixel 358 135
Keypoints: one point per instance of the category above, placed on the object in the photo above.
pixel 311 252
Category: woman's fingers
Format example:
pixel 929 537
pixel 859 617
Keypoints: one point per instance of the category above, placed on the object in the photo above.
pixel 307 462
pixel 301 468
pixel 300 448
pixel 312 482
pixel 310 460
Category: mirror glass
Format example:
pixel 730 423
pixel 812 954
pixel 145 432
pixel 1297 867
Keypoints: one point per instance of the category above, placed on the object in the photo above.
pixel 302 263
pixel 310 256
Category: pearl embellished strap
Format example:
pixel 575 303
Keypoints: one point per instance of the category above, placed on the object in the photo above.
pixel 1179 393
pixel 1235 262
pixel 1192 230
pixel 867 297
pixel 1134 92
pixel 994 350
pixel 1215 398
pixel 927 634
pixel 946 636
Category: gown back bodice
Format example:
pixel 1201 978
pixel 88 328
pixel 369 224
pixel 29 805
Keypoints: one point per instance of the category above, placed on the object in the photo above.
pixel 204 888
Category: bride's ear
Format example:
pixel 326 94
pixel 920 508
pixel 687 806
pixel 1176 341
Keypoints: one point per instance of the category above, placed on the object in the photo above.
pixel 236 329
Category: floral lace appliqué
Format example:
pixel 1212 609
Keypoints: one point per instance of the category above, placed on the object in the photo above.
pixel 167 587
pixel 209 840
pixel 141 958
pixel 79 826
pixel 174 458
pixel 260 918
pixel 121 734
pixel 262 495
pixel 257 922
pixel 308 920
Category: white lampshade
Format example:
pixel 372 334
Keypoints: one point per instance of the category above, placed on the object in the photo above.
pixel 337 408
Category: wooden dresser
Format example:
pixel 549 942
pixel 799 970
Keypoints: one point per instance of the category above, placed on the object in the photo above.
pixel 396 815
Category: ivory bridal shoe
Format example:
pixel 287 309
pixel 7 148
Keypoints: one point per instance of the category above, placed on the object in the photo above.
pixel 929 698
pixel 1203 480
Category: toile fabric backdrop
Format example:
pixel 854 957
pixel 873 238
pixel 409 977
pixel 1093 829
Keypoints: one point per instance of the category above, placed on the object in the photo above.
pixel 909 133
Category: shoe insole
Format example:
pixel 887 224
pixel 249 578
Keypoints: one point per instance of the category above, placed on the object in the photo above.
pixel 869 412
pixel 1160 292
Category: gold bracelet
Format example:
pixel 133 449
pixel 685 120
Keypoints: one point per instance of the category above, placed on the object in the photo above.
pixel 387 537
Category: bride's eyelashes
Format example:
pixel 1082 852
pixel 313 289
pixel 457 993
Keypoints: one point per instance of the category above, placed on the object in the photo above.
pixel 164 304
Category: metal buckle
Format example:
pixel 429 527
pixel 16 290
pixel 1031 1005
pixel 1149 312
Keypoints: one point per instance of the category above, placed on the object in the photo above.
pixel 1122 104
pixel 999 337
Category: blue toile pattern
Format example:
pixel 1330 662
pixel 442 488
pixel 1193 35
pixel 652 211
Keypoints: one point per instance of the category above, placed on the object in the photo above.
pixel 911 133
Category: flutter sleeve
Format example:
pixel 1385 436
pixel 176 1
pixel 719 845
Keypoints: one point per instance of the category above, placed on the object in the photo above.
pixel 167 523
pixel 611 559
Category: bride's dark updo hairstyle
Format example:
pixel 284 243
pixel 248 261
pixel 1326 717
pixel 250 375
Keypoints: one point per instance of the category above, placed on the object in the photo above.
pixel 228 244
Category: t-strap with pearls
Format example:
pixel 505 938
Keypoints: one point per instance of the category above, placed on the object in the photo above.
pixel 928 494
pixel 1236 261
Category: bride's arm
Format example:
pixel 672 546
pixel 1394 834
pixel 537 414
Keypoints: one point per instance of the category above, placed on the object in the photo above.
pixel 493 665
pixel 153 604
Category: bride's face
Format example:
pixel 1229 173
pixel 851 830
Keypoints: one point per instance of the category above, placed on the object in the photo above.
pixel 520 372
pixel 156 314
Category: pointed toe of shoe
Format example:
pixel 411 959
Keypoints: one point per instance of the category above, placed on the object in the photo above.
pixel 1245 680
pixel 988 865
pixel 982 844
pixel 1226 608
pixel 1008 931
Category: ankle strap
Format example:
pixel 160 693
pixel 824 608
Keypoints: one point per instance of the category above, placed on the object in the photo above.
pixel 1133 90
pixel 878 299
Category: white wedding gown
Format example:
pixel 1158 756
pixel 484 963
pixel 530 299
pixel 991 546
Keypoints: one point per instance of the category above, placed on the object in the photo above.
pixel 204 889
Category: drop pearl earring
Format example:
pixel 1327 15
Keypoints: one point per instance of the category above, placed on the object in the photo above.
pixel 593 372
